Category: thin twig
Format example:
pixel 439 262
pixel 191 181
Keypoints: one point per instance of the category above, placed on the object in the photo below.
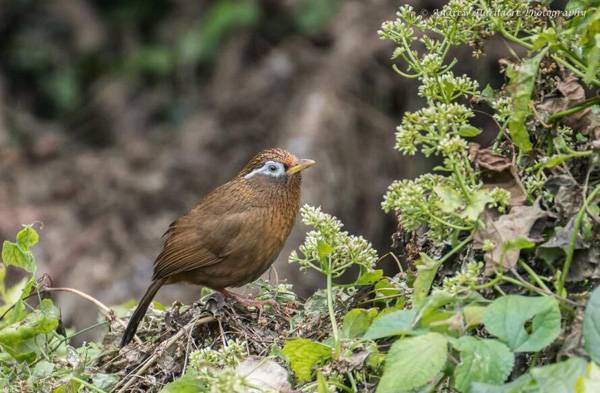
pixel 160 349
pixel 110 314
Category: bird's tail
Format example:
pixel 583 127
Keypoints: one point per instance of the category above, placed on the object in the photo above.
pixel 140 311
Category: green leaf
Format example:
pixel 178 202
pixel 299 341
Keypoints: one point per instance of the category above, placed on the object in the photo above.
pixel 476 205
pixel 413 362
pixel 357 321
pixel 27 237
pixel 304 354
pixel 42 369
pixel 489 94
pixel 105 381
pixel 506 317
pixel 392 324
pixel 473 315
pixel 545 37
pixel 481 360
pixel 450 199
pixel 516 386
pixel 14 337
pixel 427 268
pixel 14 255
pixel 522 80
pixel 591 326
pixel 321 383
pixel 324 249
pixel 369 277
pixel 185 384
pixel 590 381
pixel 559 377
pixel 468 131
pixel 14 298
pixel 519 243
pixel 433 302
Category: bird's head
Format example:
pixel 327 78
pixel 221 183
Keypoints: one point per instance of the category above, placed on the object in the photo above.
pixel 275 165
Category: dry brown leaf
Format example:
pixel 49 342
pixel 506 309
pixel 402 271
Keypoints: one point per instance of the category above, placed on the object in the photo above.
pixel 500 229
pixel 498 171
pixel 585 121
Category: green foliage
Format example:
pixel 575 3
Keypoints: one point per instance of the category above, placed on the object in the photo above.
pixel 394 323
pixel 32 354
pixel 329 249
pixel 413 362
pixel 501 242
pixel 303 355
pixel 591 326
pixel 18 254
pixel 522 82
pixel 481 360
pixel 502 321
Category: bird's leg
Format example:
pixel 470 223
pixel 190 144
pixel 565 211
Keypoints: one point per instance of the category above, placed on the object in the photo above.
pixel 244 301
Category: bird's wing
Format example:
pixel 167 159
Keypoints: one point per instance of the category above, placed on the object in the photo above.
pixel 190 244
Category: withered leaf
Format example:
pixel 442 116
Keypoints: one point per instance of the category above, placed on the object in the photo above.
pixel 498 171
pixel 505 228
pixel 562 238
pixel 571 93
pixel 567 194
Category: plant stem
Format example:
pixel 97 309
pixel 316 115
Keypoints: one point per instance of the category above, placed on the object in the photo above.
pixel 575 108
pixel 449 224
pixel 573 240
pixel 533 275
pixel 330 307
pixel 456 249
pixel 573 69
pixel 461 183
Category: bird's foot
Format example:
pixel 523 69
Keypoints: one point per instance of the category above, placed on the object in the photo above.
pixel 214 303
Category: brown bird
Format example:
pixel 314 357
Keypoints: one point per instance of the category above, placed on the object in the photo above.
pixel 234 233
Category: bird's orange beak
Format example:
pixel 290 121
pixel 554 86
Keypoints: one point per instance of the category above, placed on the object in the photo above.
pixel 300 166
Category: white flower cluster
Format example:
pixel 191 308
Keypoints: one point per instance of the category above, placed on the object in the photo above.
pixel 328 247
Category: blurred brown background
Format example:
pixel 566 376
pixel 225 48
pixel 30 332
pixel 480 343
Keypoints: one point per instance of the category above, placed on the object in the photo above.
pixel 117 116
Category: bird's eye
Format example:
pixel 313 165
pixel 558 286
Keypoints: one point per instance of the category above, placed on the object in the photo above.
pixel 273 168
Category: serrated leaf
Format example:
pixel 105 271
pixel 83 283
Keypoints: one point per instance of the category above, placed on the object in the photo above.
pixel 481 360
pixel 27 237
pixel 506 317
pixel 391 324
pixel 304 354
pixel 591 326
pixel 357 321
pixel 413 362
